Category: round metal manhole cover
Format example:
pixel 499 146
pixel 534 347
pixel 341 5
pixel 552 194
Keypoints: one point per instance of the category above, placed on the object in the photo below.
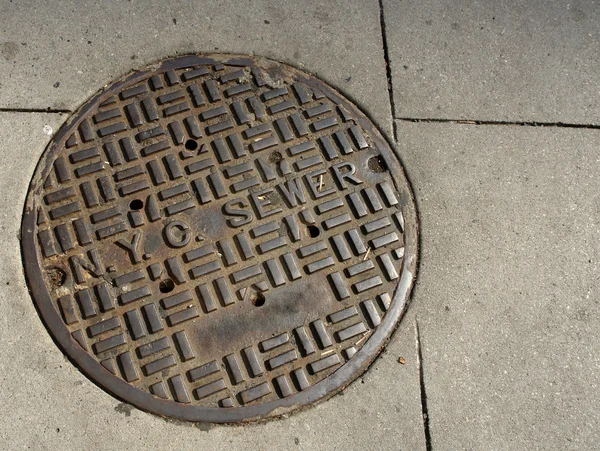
pixel 220 239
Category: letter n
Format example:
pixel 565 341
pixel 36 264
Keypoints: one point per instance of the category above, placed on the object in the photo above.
pixel 92 266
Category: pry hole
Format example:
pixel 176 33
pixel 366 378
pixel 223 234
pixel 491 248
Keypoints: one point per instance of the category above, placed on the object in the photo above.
pixel 275 157
pixel 313 231
pixel 258 299
pixel 136 204
pixel 56 277
pixel 377 164
pixel 190 144
pixel 166 286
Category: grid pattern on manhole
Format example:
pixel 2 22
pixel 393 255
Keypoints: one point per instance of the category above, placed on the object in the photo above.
pixel 193 192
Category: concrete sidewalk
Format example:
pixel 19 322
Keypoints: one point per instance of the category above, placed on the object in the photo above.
pixel 507 297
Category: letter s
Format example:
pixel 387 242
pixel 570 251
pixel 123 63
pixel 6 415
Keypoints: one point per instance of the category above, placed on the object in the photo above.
pixel 241 217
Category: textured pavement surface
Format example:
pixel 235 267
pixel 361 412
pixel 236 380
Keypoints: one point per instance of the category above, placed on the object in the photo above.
pixel 507 300
pixel 507 296
pixel 524 60
pixel 78 47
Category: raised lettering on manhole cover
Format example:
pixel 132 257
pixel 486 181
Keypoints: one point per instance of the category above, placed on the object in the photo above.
pixel 220 239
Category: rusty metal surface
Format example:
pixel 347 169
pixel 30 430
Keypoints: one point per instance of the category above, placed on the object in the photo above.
pixel 220 238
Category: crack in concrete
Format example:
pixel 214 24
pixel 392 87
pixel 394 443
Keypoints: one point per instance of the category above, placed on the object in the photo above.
pixel 424 409
pixel 388 69
pixel 486 122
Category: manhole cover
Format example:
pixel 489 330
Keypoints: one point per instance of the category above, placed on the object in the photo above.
pixel 220 239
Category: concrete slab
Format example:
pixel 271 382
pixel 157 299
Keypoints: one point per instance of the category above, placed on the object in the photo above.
pixel 57 54
pixel 495 60
pixel 48 404
pixel 508 289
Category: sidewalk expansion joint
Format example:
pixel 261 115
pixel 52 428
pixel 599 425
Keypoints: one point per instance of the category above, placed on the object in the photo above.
pixel 424 409
pixel 388 69
pixel 514 123
pixel 33 110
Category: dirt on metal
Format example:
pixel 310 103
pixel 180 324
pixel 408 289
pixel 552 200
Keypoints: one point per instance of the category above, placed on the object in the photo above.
pixel 220 238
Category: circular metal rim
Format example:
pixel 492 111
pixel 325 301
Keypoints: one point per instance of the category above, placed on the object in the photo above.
pixel 145 401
